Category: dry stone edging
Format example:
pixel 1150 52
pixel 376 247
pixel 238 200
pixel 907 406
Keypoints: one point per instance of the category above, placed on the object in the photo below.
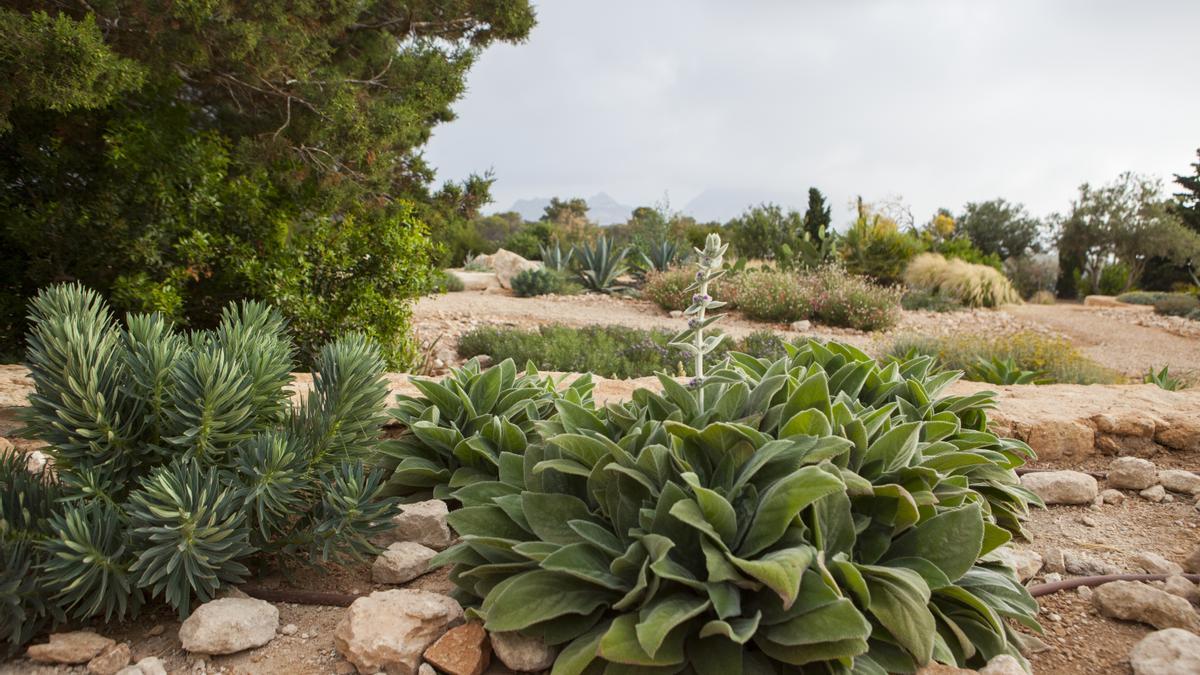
pixel 1062 487
pixel 523 653
pixel 423 523
pixel 403 561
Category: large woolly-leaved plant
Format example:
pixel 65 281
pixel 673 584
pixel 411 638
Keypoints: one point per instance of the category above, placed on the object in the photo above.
pixel 454 433
pixel 178 458
pixel 818 513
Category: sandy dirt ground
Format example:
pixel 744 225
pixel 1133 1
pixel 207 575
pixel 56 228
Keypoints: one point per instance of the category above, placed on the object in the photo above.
pixel 1118 338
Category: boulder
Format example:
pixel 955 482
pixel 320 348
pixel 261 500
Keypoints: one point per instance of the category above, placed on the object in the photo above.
pixel 1024 562
pixel 1062 487
pixel 420 522
pixel 111 660
pixel 1154 563
pixel 1178 480
pixel 1132 473
pixel 1133 601
pixel 402 561
pixel 79 646
pixel 229 625
pixel 522 653
pixel 390 630
pixel 507 265
pixel 463 650
pixel 1173 651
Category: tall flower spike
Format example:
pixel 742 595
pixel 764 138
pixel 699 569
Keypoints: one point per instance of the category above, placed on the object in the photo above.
pixel 692 339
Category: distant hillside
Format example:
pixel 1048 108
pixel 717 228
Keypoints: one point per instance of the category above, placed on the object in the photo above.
pixel 602 209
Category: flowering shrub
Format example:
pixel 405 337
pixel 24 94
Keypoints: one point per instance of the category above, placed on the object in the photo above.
pixel 669 289
pixel 852 301
pixel 767 295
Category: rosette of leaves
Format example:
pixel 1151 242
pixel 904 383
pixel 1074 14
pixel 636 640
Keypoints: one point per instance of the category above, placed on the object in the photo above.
pixel 823 534
pixel 455 432
pixel 28 503
pixel 601 265
pixel 180 459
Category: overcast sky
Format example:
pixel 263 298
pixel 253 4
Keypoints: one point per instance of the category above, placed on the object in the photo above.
pixel 938 101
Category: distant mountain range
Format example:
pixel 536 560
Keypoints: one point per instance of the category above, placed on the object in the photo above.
pixel 714 204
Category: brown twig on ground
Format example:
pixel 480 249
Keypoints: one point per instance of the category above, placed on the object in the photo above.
pixel 296 597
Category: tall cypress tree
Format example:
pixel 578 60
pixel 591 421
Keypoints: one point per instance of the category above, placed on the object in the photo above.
pixel 818 214
pixel 1187 204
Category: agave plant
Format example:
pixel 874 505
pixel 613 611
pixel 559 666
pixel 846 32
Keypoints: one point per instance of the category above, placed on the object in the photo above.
pixel 456 432
pixel 658 257
pixel 1163 379
pixel 555 258
pixel 820 512
pixel 179 458
pixel 1005 371
pixel 601 265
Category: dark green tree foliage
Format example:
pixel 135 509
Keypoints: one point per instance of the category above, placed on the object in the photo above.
pixel 179 156
pixel 819 513
pixel 1187 205
pixel 818 217
pixel 1001 228
pixel 766 232
pixel 180 459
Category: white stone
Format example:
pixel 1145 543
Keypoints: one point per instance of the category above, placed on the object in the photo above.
pixel 289 629
pixel 229 625
pixel 402 561
pixel 1132 473
pixel 1025 563
pixel 507 265
pixel 522 653
pixel 421 522
pixel 1177 585
pixel 1003 664
pixel 1111 496
pixel 1133 601
pixel 1173 651
pixel 390 630
pixel 801 325
pixel 1154 563
pixel 1154 493
pixel 1062 487
pixel 1084 565
pixel 1178 480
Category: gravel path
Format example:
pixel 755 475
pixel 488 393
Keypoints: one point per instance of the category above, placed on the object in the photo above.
pixel 1117 338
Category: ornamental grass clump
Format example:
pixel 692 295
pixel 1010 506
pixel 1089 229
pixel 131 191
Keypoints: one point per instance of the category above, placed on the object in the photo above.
pixel 970 284
pixel 179 459
pixel 815 513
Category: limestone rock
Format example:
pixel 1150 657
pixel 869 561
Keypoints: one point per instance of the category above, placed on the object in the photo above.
pixel 1062 487
pixel 69 648
pixel 111 660
pixel 1111 496
pixel 507 265
pixel 475 281
pixel 1173 651
pixel 1154 563
pixel 390 630
pixel 522 653
pixel 1191 564
pixel 936 668
pixel 463 650
pixel 1132 473
pixel 402 561
pixel 1053 560
pixel 1084 565
pixel 420 522
pixel 801 325
pixel 151 665
pixel 1177 585
pixel 1133 601
pixel 1154 493
pixel 426 669
pixel 1003 664
pixel 1026 563
pixel 1178 480
pixel 229 625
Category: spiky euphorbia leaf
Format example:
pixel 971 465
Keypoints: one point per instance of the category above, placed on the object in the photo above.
pixel 87 563
pixel 189 531
pixel 274 483
pixel 353 509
